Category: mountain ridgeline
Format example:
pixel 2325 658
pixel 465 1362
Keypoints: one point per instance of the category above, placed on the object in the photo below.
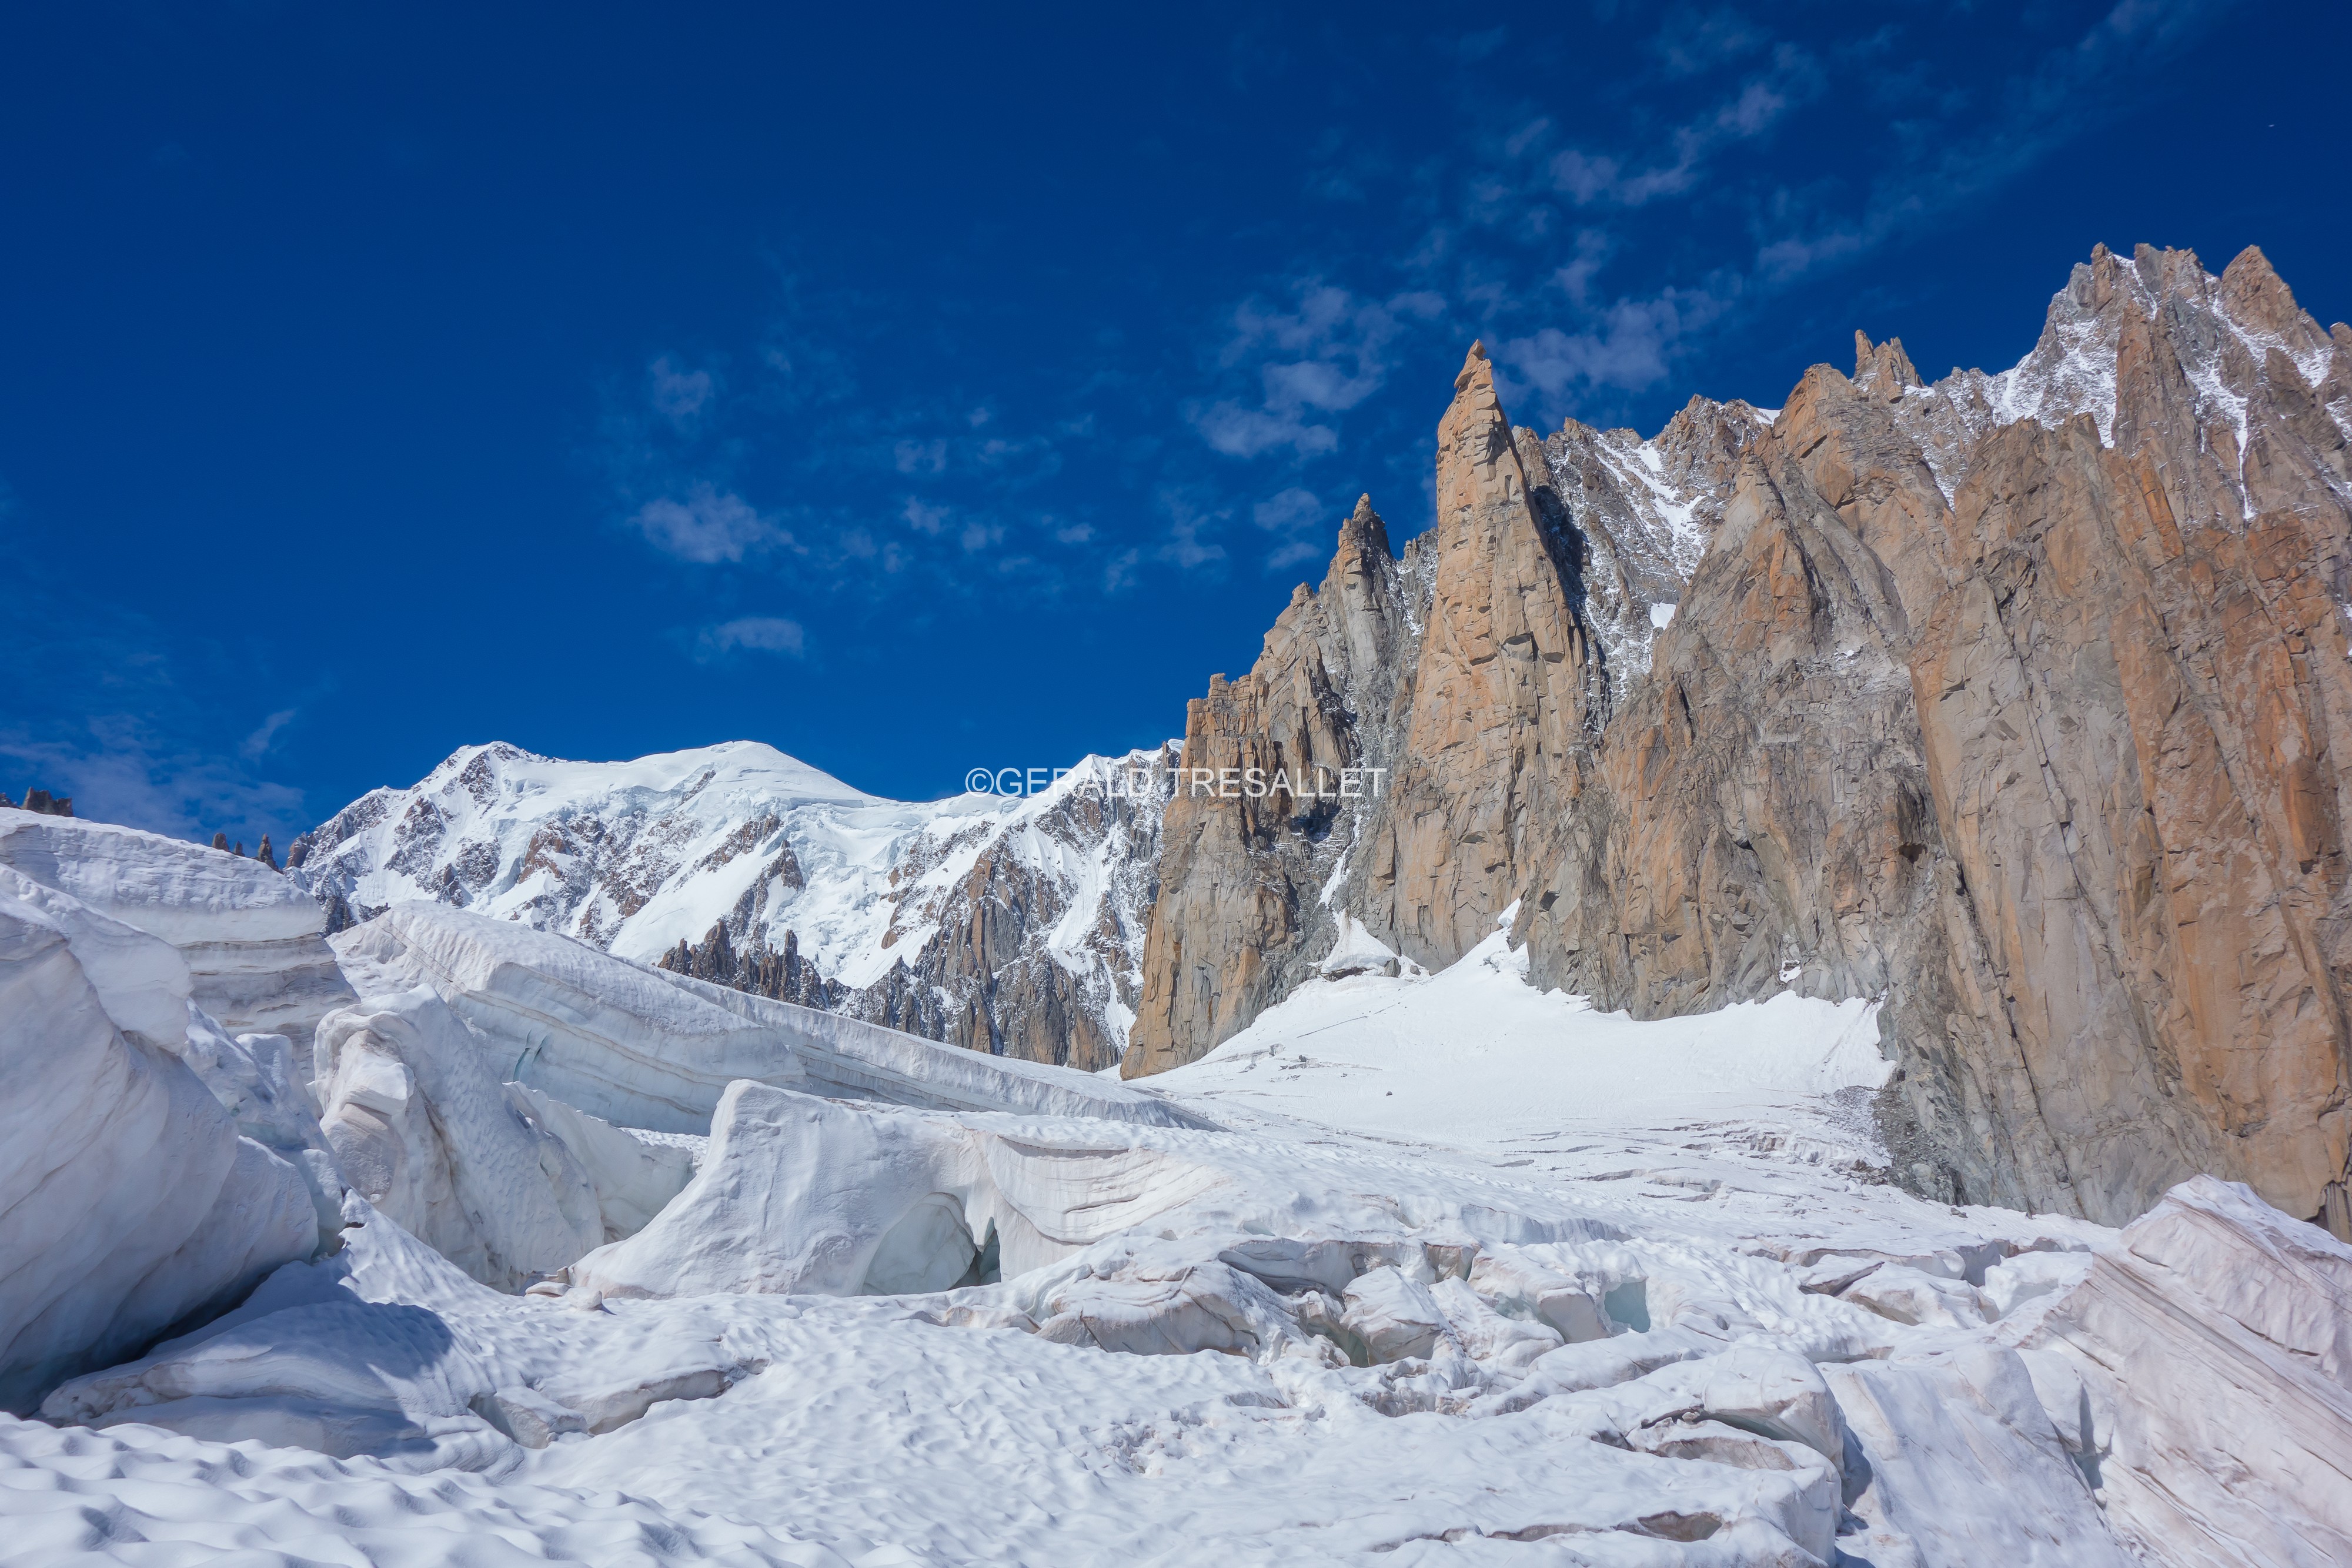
pixel 2014 702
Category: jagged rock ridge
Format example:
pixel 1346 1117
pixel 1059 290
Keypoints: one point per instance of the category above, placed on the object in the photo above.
pixel 2013 700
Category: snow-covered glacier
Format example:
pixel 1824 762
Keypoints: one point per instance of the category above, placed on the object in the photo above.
pixel 130 1200
pixel 536 1252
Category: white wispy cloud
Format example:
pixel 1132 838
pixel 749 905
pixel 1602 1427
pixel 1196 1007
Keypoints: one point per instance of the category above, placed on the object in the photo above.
pixel 1679 175
pixel 1690 41
pixel 1961 149
pixel 103 704
pixel 752 633
pixel 120 768
pixel 920 456
pixel 1190 517
pixel 1239 432
pixel 1591 178
pixel 1321 357
pixel 679 395
pixel 1290 516
pixel 1630 345
pixel 707 526
pixel 256 746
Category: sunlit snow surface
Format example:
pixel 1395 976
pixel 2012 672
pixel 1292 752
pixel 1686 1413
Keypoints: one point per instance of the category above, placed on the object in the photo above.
pixel 1399 1112
pixel 1477 1056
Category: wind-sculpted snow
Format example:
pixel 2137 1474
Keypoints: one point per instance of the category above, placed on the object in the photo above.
pixel 643 1048
pixel 2202 1374
pixel 128 1200
pixel 252 940
pixel 810 1196
pixel 1541 1284
pixel 423 1129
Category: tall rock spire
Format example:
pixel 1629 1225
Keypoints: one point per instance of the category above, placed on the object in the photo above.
pixel 1290 760
pixel 1506 684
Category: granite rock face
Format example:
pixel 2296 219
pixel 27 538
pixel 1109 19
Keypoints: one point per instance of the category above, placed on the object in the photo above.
pixel 2013 700
pixel 2090 854
pixel 1282 773
pixel 1507 693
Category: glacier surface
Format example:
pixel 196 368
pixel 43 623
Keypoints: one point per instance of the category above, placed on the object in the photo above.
pixel 595 1262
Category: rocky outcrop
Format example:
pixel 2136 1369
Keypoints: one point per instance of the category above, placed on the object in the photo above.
pixel 43 803
pixel 1457 688
pixel 2013 700
pixel 759 968
pixel 1022 935
pixel 1277 794
pixel 1643 511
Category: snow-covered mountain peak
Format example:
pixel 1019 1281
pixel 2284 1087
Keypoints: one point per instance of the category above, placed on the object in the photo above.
pixel 850 891
pixel 732 769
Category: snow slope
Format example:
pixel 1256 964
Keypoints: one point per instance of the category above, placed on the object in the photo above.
pixel 1481 1058
pixel 631 856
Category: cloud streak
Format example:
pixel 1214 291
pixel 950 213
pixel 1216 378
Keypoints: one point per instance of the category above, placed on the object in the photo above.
pixel 257 745
pixel 751 633
pixel 106 707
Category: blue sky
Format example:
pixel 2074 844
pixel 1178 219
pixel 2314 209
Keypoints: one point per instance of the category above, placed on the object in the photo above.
pixel 957 389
